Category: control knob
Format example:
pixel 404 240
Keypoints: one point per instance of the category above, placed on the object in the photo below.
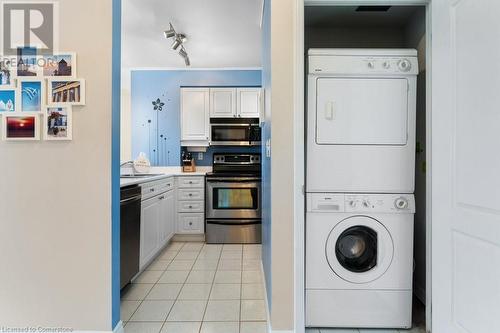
pixel 401 203
pixel 404 65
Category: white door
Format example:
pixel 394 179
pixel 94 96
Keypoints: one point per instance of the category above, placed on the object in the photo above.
pixel 150 229
pixel 362 111
pixel 195 113
pixel 171 213
pixel 222 102
pixel 164 219
pixel 465 166
pixel 249 102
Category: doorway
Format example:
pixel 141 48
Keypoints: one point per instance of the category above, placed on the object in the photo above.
pixel 351 26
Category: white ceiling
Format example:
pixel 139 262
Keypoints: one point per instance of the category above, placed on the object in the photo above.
pixel 221 33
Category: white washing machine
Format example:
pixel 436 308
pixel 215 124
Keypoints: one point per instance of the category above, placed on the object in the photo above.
pixel 359 260
pixel 361 120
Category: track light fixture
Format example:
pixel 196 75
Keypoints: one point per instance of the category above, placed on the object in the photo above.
pixel 179 39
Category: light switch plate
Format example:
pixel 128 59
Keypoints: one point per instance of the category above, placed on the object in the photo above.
pixel 200 156
pixel 268 148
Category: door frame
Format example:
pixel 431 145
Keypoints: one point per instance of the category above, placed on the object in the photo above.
pixel 299 149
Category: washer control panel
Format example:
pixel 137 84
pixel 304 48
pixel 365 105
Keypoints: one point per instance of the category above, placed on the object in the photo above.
pixel 360 203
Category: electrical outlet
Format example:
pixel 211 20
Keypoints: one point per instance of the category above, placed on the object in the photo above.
pixel 268 148
pixel 200 156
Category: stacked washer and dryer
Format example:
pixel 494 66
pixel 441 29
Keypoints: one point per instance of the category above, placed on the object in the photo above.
pixel 360 182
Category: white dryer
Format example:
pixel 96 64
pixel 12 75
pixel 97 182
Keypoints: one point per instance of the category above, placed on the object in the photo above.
pixel 361 120
pixel 359 260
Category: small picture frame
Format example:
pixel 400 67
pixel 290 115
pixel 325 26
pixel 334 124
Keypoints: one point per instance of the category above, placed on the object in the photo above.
pixel 7 73
pixel 61 65
pixel 28 63
pixel 58 123
pixel 63 92
pixel 8 100
pixel 21 126
pixel 31 94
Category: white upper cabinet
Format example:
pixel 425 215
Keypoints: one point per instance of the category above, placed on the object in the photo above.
pixel 222 102
pixel 249 102
pixel 195 106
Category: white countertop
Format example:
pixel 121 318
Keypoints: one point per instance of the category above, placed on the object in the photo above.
pixel 164 172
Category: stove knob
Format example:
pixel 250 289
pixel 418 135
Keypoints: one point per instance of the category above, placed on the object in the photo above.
pixel 371 64
pixel 366 203
pixel 386 65
pixel 353 203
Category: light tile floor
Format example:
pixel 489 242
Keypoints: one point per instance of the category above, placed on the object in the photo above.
pixel 198 288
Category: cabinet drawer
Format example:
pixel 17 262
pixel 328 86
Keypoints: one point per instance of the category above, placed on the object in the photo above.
pixel 154 188
pixel 191 182
pixel 191 194
pixel 190 206
pixel 191 223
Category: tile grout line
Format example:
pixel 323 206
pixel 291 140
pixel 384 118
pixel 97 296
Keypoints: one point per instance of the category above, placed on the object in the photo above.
pixel 170 310
pixel 211 288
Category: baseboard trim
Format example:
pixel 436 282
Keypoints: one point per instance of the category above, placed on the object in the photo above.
pixel 189 238
pixel 119 328
pixel 268 313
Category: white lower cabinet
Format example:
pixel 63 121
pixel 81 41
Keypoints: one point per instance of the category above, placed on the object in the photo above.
pixel 190 204
pixel 158 215
pixel 167 210
pixel 167 217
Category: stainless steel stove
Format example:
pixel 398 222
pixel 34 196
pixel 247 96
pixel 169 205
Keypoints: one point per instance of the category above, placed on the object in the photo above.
pixel 233 199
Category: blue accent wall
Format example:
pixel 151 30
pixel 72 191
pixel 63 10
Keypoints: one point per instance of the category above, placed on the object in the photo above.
pixel 149 85
pixel 115 164
pixel 266 161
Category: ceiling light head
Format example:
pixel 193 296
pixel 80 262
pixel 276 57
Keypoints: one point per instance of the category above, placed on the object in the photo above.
pixel 187 62
pixel 170 32
pixel 183 52
pixel 182 37
pixel 175 45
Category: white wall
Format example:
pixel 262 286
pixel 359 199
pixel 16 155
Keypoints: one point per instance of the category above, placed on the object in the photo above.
pixel 55 198
pixel 282 170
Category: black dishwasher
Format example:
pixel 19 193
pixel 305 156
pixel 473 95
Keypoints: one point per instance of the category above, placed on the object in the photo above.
pixel 130 232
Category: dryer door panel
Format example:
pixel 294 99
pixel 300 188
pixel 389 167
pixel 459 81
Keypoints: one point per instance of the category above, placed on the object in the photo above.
pixel 362 111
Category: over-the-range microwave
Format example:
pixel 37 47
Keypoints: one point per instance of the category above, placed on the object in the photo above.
pixel 235 132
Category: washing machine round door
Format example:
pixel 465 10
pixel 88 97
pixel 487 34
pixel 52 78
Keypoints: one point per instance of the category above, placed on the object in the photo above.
pixel 359 249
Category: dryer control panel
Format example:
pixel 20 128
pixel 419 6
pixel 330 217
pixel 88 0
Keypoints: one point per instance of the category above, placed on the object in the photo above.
pixel 361 203
pixel 379 64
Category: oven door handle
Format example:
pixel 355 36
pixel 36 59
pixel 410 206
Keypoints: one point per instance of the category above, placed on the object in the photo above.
pixel 234 222
pixel 233 180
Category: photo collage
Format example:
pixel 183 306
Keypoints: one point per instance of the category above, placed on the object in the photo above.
pixel 39 88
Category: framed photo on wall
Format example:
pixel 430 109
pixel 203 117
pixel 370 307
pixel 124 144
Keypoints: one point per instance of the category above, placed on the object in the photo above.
pixel 28 62
pixel 58 123
pixel 8 99
pixel 63 92
pixel 20 126
pixel 62 65
pixel 30 94
pixel 7 73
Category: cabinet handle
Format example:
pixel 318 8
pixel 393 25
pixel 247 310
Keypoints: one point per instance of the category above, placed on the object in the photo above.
pixel 161 198
pixel 151 190
pixel 190 223
pixel 190 194
pixel 190 182
pixel 190 206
